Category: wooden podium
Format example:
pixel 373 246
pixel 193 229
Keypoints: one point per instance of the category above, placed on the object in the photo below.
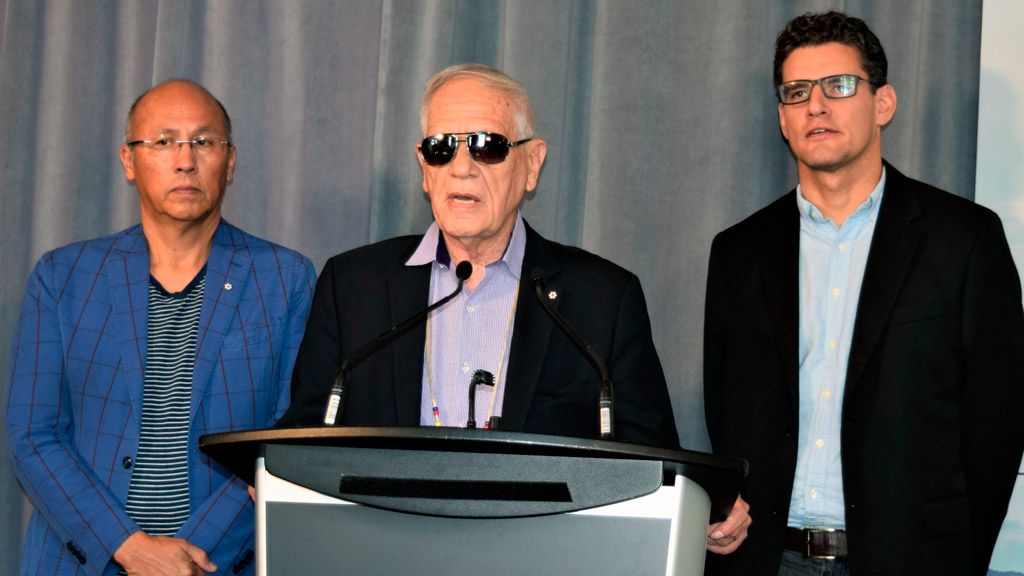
pixel 453 501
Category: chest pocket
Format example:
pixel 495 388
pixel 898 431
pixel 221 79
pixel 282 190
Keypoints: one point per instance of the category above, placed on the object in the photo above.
pixel 916 313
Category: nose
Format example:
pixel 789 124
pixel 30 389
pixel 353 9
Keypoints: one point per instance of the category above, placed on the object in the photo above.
pixel 185 157
pixel 817 103
pixel 462 165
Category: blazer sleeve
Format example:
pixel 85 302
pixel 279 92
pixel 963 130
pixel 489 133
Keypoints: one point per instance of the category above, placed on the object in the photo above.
pixel 643 411
pixel 715 313
pixel 223 524
pixel 993 429
pixel 318 358
pixel 60 481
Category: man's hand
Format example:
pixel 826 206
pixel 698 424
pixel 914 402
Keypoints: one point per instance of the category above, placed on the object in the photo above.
pixel 144 555
pixel 726 537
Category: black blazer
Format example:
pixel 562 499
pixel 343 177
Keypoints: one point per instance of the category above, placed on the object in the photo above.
pixel 931 427
pixel 551 387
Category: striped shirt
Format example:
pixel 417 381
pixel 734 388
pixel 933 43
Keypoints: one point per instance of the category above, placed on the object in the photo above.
pixel 158 497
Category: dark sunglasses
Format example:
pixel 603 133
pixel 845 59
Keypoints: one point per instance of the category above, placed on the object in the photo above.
pixel 484 147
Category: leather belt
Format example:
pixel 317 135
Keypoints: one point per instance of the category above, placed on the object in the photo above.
pixel 816 542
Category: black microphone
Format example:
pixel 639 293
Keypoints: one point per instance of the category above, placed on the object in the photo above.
pixel 336 403
pixel 479 377
pixel 604 391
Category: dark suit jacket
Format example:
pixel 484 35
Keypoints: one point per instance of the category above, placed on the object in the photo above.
pixel 931 427
pixel 75 399
pixel 551 388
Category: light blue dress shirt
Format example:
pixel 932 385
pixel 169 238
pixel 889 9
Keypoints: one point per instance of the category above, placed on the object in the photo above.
pixel 832 263
pixel 472 332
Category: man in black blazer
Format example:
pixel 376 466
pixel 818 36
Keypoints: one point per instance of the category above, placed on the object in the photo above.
pixel 479 157
pixel 864 342
pixel 475 178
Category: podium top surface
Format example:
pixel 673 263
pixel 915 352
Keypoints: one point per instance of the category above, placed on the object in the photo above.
pixel 719 476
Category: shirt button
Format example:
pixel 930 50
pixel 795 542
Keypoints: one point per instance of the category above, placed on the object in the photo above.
pixel 835 292
pixel 832 344
pixel 127 462
pixel 827 393
pixel 814 493
pixel 470 308
pixel 465 367
pixel 819 443
pixel 842 246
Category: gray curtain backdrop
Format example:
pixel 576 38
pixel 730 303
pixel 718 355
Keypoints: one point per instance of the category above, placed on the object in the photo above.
pixel 660 119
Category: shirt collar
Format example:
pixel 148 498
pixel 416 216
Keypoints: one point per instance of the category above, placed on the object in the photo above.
pixel 433 249
pixel 810 213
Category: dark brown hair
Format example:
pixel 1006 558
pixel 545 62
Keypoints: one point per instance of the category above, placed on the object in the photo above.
pixel 817 29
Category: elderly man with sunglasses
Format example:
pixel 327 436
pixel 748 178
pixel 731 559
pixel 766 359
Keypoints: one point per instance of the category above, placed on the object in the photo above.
pixel 131 347
pixel 480 155
pixel 864 342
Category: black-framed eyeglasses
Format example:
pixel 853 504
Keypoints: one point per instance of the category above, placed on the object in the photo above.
pixel 838 86
pixel 202 145
pixel 484 147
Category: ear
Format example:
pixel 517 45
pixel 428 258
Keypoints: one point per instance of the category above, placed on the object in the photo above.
pixel 536 150
pixel 127 162
pixel 231 163
pixel 885 104
pixel 423 167
pixel 782 122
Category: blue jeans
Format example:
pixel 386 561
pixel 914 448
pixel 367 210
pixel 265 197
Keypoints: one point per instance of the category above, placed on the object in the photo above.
pixel 796 564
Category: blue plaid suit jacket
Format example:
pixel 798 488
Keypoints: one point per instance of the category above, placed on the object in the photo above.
pixel 75 395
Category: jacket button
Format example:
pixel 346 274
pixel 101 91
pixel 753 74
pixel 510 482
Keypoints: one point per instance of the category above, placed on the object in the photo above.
pixel 70 546
pixel 127 462
pixel 790 433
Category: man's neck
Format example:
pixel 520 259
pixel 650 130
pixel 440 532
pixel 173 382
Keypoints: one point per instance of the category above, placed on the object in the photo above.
pixel 479 252
pixel 838 194
pixel 179 250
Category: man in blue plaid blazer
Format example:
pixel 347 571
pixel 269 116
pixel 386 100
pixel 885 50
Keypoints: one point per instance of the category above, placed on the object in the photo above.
pixel 79 355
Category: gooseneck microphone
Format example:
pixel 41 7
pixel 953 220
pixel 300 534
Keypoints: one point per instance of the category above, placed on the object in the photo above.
pixel 336 403
pixel 606 409
pixel 479 377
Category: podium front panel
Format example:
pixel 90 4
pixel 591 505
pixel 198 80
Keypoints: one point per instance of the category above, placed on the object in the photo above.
pixel 380 542
pixel 302 531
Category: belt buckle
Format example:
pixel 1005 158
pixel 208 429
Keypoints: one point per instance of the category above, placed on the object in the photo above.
pixel 808 530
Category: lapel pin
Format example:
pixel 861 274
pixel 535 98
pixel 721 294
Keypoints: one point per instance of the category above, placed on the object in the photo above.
pixel 552 295
pixel 227 285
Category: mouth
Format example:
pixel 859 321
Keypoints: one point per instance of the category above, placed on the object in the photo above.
pixel 185 189
pixel 462 199
pixel 819 132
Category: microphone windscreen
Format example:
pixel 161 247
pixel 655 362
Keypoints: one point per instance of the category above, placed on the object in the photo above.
pixel 464 270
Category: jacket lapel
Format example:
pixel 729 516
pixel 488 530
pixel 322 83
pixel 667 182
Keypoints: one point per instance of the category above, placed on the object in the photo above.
pixel 779 259
pixel 531 333
pixel 227 271
pixel 408 293
pixel 892 248
pixel 127 271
